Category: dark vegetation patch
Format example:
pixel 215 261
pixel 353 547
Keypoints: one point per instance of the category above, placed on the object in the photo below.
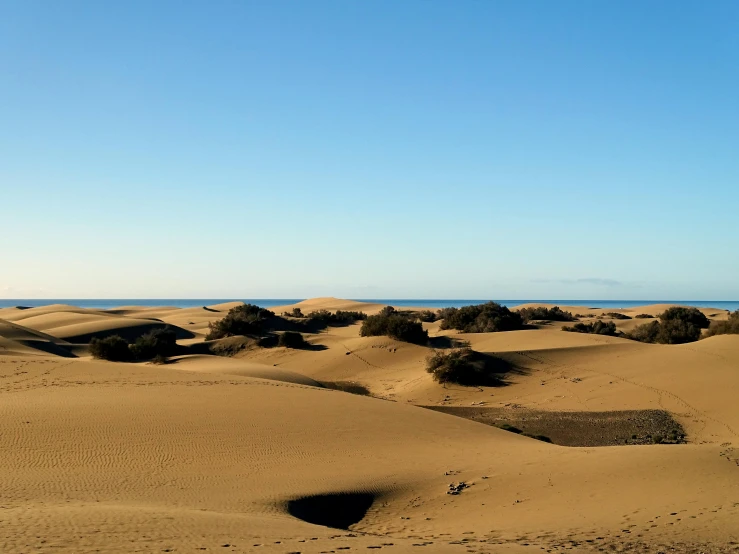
pixel 644 316
pixel 481 318
pixel 728 327
pixel 428 316
pixel 247 319
pixel 113 349
pixel 617 315
pixel 295 312
pixel 396 325
pixel 325 318
pixel 464 366
pixel 157 344
pixel 268 329
pixel 579 428
pixel 546 314
pixel 596 328
pixel 584 316
pixel 676 325
pixel 292 339
pixel 338 511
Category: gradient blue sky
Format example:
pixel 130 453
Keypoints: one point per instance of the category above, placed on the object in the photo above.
pixel 473 149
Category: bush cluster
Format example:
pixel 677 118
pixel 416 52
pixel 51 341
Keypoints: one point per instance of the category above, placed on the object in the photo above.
pixel 728 327
pixel 689 315
pixel 596 328
pixel 157 344
pixel 427 316
pixel 295 312
pixel 339 317
pixel 550 314
pixel 113 349
pixel 395 325
pixel 481 318
pixel 617 315
pixel 292 339
pixel 676 325
pixel 463 366
pixel 247 319
pixel 644 316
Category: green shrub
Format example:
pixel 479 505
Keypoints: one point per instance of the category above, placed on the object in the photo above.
pixel 113 349
pixel 674 331
pixel 464 366
pixel 644 316
pixel 241 320
pixel 676 325
pixel 482 318
pixel 596 328
pixel 692 316
pixel 159 342
pixel 340 317
pixel 391 324
pixel 427 316
pixel 617 315
pixel 292 339
pixel 550 314
pixel 647 332
pixel 728 327
pixel 348 316
pixel 295 312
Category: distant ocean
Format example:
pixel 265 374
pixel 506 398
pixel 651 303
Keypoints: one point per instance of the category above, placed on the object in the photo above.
pixel 108 303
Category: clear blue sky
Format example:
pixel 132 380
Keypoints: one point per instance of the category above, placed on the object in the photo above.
pixel 369 149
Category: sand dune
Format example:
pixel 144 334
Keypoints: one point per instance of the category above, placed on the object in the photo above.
pixel 221 454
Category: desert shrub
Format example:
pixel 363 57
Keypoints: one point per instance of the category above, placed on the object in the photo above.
pixel 647 332
pixel 584 315
pixel 340 317
pixel 541 313
pixel 427 316
pixel 295 312
pixel 387 310
pixel 292 339
pixel 241 320
pixel 692 316
pixel 728 327
pixel 159 360
pixel 159 342
pixel 617 315
pixel 644 316
pixel 113 349
pixel 396 326
pixel 596 328
pixel 349 316
pixel 446 313
pixel 674 331
pixel 463 366
pixel 482 318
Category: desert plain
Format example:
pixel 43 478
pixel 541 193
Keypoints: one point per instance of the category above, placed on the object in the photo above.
pixel 260 451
